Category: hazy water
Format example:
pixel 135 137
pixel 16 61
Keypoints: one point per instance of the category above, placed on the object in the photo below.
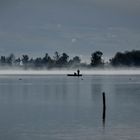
pixel 69 108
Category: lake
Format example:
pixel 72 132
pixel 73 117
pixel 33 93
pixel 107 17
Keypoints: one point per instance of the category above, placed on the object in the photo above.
pixel 57 107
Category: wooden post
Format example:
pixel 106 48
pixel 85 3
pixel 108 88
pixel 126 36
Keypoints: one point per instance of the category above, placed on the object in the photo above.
pixel 104 108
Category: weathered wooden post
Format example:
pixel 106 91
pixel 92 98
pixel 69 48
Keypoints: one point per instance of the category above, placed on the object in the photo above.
pixel 104 108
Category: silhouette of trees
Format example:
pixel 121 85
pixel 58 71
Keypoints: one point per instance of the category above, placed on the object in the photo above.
pixel 47 61
pixel 25 59
pixel 63 60
pixel 60 60
pixel 56 58
pixel 17 61
pixel 38 62
pixel 3 60
pixel 10 59
pixel 76 61
pixel 96 59
pixel 128 58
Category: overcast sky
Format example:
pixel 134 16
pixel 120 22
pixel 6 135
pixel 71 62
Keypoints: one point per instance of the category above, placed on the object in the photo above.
pixel 77 27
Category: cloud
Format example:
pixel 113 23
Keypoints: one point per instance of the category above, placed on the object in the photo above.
pixel 73 40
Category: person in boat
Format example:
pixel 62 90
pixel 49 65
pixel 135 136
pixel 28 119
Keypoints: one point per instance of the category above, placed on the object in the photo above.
pixel 78 72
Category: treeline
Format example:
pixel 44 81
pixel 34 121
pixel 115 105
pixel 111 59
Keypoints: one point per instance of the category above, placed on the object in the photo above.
pixel 128 58
pixel 57 61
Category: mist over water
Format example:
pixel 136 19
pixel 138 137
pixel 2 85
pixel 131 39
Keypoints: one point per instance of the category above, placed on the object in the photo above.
pixel 113 71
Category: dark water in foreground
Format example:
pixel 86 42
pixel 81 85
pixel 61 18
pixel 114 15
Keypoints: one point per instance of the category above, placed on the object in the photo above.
pixel 68 108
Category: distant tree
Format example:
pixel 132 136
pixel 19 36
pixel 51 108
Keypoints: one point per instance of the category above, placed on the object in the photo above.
pixel 17 61
pixel 96 58
pixel 31 63
pixel 38 62
pixel 3 60
pixel 25 59
pixel 63 60
pixel 136 57
pixel 75 61
pixel 47 60
pixel 120 59
pixel 127 58
pixel 60 60
pixel 56 56
pixel 10 59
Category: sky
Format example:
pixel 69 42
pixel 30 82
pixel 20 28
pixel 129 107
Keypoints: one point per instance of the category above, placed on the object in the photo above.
pixel 77 27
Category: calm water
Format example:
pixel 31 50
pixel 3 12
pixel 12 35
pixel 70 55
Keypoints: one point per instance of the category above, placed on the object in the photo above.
pixel 68 108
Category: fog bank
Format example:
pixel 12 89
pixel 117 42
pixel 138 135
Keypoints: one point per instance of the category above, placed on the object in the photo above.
pixel 64 72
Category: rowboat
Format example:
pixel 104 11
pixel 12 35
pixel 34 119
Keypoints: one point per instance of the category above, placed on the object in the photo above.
pixel 77 75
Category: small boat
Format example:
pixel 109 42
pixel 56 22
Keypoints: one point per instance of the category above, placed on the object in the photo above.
pixel 74 75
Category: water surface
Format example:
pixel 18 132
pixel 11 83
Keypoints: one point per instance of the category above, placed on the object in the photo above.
pixel 69 108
